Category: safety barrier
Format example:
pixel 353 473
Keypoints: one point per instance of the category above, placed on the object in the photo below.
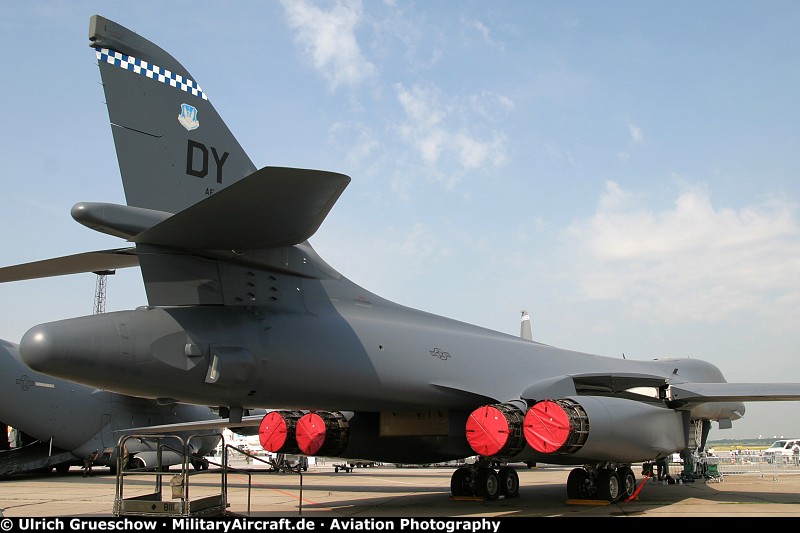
pixel 747 462
pixel 153 502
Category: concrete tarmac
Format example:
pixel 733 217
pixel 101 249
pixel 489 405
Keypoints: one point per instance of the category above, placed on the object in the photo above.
pixel 388 491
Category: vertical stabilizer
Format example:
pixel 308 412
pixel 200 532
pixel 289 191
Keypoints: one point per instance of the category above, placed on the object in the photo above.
pixel 173 148
pixel 525 327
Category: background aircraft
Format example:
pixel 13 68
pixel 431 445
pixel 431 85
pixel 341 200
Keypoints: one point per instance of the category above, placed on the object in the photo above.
pixel 242 313
pixel 63 422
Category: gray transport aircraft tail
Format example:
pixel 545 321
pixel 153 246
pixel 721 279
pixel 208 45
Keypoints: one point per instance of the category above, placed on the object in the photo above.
pixel 243 314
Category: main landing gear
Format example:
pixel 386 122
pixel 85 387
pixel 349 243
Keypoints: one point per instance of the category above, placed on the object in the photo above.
pixel 482 480
pixel 610 483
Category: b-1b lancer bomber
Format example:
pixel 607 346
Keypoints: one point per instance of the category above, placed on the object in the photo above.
pixel 237 300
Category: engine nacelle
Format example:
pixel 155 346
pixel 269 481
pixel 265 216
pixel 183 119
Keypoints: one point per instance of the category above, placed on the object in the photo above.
pixel 390 437
pixel 621 430
pixel 315 433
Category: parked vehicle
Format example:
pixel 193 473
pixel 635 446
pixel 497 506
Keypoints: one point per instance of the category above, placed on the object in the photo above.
pixel 781 449
pixel 349 465
pixel 290 462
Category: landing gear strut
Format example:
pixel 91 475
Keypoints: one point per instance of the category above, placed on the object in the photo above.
pixel 482 480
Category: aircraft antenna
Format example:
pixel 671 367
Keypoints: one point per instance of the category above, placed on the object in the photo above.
pixel 100 291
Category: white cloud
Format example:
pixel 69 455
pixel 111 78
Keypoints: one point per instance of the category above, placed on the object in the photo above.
pixel 637 136
pixel 329 39
pixel 364 143
pixel 485 32
pixel 693 262
pixel 488 104
pixel 440 128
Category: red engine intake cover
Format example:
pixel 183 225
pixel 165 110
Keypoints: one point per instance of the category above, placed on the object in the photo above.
pixel 487 430
pixel 272 432
pixel 546 427
pixel 311 433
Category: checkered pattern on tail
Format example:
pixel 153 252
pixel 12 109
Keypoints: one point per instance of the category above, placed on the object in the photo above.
pixel 151 71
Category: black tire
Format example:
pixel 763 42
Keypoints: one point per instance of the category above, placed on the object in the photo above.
pixel 509 482
pixel 627 481
pixel 608 485
pixel 488 484
pixel 62 468
pixel 200 464
pixel 579 485
pixel 460 482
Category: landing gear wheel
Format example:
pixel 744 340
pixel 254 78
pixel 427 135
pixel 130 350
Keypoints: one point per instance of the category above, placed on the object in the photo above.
pixel 460 482
pixel 200 464
pixel 509 482
pixel 627 481
pixel 580 485
pixel 608 485
pixel 488 484
pixel 62 468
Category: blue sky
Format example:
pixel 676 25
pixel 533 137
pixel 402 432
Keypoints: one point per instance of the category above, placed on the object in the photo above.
pixel 627 172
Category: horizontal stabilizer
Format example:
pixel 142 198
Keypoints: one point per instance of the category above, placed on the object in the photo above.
pixel 272 207
pixel 734 392
pixel 72 264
